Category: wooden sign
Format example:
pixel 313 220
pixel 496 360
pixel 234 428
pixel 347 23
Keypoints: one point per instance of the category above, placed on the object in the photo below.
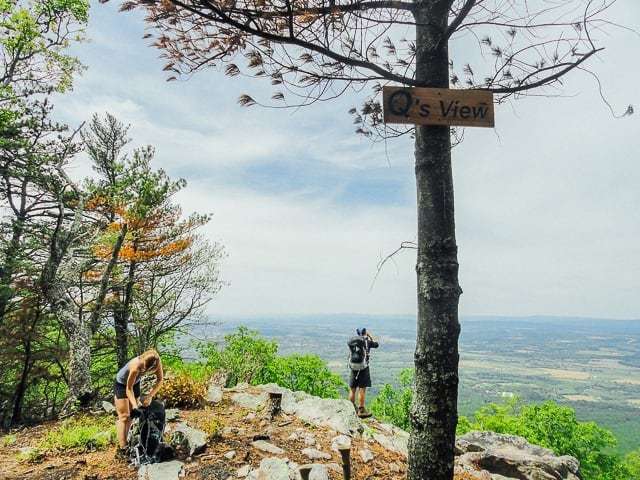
pixel 438 106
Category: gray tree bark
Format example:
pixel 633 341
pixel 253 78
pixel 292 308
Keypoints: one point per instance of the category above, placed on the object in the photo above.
pixel 434 409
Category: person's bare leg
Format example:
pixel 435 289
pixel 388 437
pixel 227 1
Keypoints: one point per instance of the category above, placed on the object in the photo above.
pixel 352 395
pixel 124 420
pixel 361 396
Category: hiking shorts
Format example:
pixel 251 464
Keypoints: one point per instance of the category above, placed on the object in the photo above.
pixel 360 378
pixel 121 390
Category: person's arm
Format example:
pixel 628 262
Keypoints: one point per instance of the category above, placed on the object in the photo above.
pixel 159 380
pixel 131 380
pixel 372 342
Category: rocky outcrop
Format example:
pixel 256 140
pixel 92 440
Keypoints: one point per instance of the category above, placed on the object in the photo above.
pixel 493 456
pixel 336 414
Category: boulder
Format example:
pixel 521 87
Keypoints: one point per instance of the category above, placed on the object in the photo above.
pixel 192 439
pixel 267 447
pixel 161 471
pixel 337 414
pixel 318 471
pixel 108 407
pixel 509 456
pixel 315 454
pixel 340 442
pixel 270 469
pixel 396 441
pixel 366 455
pixel 214 394
pixel 249 400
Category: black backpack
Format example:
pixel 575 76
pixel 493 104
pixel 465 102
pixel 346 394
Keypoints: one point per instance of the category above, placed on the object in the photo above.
pixel 145 436
pixel 357 353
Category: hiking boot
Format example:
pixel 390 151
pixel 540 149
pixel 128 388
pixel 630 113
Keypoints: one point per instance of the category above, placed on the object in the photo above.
pixel 362 413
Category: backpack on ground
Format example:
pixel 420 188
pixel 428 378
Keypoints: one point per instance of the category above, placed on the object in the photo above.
pixel 358 353
pixel 145 439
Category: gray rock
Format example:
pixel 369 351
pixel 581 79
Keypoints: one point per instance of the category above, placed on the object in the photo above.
pixel 214 394
pixel 315 454
pixel 397 441
pixel 108 407
pixel 337 414
pixel 309 439
pixel 161 471
pixel 171 414
pixel 249 400
pixel 270 469
pixel 294 474
pixel 229 455
pixel 267 447
pixel 318 472
pixel 194 440
pixel 513 457
pixel 243 471
pixel 340 442
pixel 366 455
pixel 395 468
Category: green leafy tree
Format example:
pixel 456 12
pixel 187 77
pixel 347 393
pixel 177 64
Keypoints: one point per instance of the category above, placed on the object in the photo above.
pixel 34 46
pixel 307 373
pixel 394 405
pixel 245 356
pixel 248 357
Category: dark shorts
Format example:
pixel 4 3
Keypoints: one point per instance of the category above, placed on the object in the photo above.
pixel 360 378
pixel 121 390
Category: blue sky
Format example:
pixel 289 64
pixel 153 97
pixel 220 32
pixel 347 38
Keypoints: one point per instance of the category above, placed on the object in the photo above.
pixel 546 204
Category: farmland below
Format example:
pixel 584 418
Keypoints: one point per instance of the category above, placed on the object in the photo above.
pixel 593 365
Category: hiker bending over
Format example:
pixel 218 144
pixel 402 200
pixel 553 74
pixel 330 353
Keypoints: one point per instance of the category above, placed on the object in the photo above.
pixel 127 391
pixel 359 347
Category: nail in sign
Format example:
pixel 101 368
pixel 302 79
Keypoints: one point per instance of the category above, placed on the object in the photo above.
pixel 438 106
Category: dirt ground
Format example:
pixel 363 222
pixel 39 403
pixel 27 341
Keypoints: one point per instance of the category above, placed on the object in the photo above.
pixel 239 432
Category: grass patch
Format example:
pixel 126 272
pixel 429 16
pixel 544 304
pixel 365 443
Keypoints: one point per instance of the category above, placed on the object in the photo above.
pixel 30 455
pixel 84 434
pixel 8 440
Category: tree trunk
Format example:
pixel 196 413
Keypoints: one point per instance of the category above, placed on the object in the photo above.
pixel 80 362
pixel 122 314
pixel 434 409
pixel 18 397
pixel 6 271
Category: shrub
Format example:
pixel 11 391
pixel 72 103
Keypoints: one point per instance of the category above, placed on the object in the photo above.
pixel 245 355
pixel 182 391
pixel 212 427
pixel 80 433
pixel 392 405
pixel 308 373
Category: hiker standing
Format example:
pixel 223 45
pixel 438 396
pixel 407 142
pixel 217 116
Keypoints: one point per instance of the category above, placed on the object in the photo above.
pixel 359 348
pixel 127 391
